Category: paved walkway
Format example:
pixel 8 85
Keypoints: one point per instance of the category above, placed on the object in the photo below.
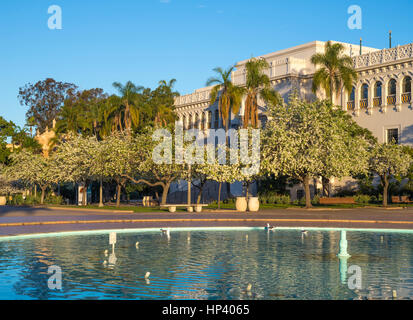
pixel 16 221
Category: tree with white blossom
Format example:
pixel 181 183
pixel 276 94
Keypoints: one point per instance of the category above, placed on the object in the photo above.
pixel 305 140
pixel 75 158
pixel 389 160
pixel 152 162
pixel 33 169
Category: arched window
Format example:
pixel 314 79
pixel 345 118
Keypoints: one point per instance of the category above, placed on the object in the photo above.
pixel 352 94
pixel 392 87
pixel 364 101
pixel 216 119
pixel 209 119
pixel 365 91
pixel 407 89
pixel 391 98
pixel 196 121
pixel 184 122
pixel 202 119
pixel 377 94
pixel 190 122
pixel 407 85
pixel 377 89
pixel 350 103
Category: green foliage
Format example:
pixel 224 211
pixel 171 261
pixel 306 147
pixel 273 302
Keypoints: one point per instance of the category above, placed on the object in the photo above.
pixel 94 113
pixel 44 100
pixel 315 200
pixel 274 198
pixel 53 199
pixel 363 199
pixel 335 70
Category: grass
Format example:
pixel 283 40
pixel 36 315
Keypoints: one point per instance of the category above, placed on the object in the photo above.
pixel 228 206
pixel 113 208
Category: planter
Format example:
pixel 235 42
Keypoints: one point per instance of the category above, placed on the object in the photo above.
pixel 198 209
pixel 190 209
pixel 241 204
pixel 253 204
pixel 3 201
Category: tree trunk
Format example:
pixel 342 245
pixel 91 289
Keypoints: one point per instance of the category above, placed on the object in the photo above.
pixel 118 192
pixel 219 195
pixel 199 197
pixel 84 198
pixel 306 182
pixel 331 90
pixel 229 195
pixel 385 191
pixel 247 186
pixel 42 195
pixel 326 186
pixel 165 192
pixel 101 193
pixel 35 190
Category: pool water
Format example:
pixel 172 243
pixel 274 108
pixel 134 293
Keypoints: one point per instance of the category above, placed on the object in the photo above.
pixel 201 264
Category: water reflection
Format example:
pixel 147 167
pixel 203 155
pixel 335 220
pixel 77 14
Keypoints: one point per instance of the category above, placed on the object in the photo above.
pixel 284 264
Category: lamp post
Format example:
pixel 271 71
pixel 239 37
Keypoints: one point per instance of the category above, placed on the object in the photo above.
pixel 189 189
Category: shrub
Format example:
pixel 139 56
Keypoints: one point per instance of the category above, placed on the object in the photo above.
pixel 363 199
pixel 52 199
pixel 32 200
pixel 316 200
pixel 16 200
pixel 273 198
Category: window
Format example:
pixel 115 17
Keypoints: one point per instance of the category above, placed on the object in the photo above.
pixel 190 122
pixel 209 119
pixel 392 87
pixel 184 122
pixel 352 94
pixel 393 135
pixel 202 119
pixel 196 121
pixel 364 91
pixel 407 85
pixel 216 118
pixel 377 89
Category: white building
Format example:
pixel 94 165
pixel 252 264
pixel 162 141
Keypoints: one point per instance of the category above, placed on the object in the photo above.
pixel 380 101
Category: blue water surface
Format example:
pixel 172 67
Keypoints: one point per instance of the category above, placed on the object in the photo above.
pixel 201 264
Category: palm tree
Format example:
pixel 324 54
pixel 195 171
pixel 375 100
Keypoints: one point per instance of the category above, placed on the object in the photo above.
pixel 258 85
pixel 230 97
pixel 335 70
pixel 129 93
pixel 165 95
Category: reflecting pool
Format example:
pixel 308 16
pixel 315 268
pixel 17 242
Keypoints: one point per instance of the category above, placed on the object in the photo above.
pixel 216 264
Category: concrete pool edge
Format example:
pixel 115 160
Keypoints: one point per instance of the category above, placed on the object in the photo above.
pixel 183 229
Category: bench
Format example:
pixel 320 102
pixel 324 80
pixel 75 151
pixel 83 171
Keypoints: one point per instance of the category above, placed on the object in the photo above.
pixel 400 199
pixel 190 207
pixel 337 200
pixel 148 201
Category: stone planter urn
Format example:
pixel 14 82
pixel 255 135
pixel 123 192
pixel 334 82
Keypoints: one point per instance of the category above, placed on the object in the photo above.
pixel 241 204
pixel 253 204
pixel 198 209
pixel 3 200
pixel 190 209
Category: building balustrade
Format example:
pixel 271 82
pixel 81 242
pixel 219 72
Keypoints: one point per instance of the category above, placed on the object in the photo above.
pixel 377 102
pixel 391 100
pixel 406 97
pixel 364 103
pixel 350 105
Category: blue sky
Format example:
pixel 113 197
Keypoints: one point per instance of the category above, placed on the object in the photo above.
pixel 149 40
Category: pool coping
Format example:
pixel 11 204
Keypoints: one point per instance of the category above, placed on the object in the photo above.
pixel 182 229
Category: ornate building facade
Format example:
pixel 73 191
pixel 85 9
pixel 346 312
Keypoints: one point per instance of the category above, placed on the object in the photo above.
pixel 381 99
